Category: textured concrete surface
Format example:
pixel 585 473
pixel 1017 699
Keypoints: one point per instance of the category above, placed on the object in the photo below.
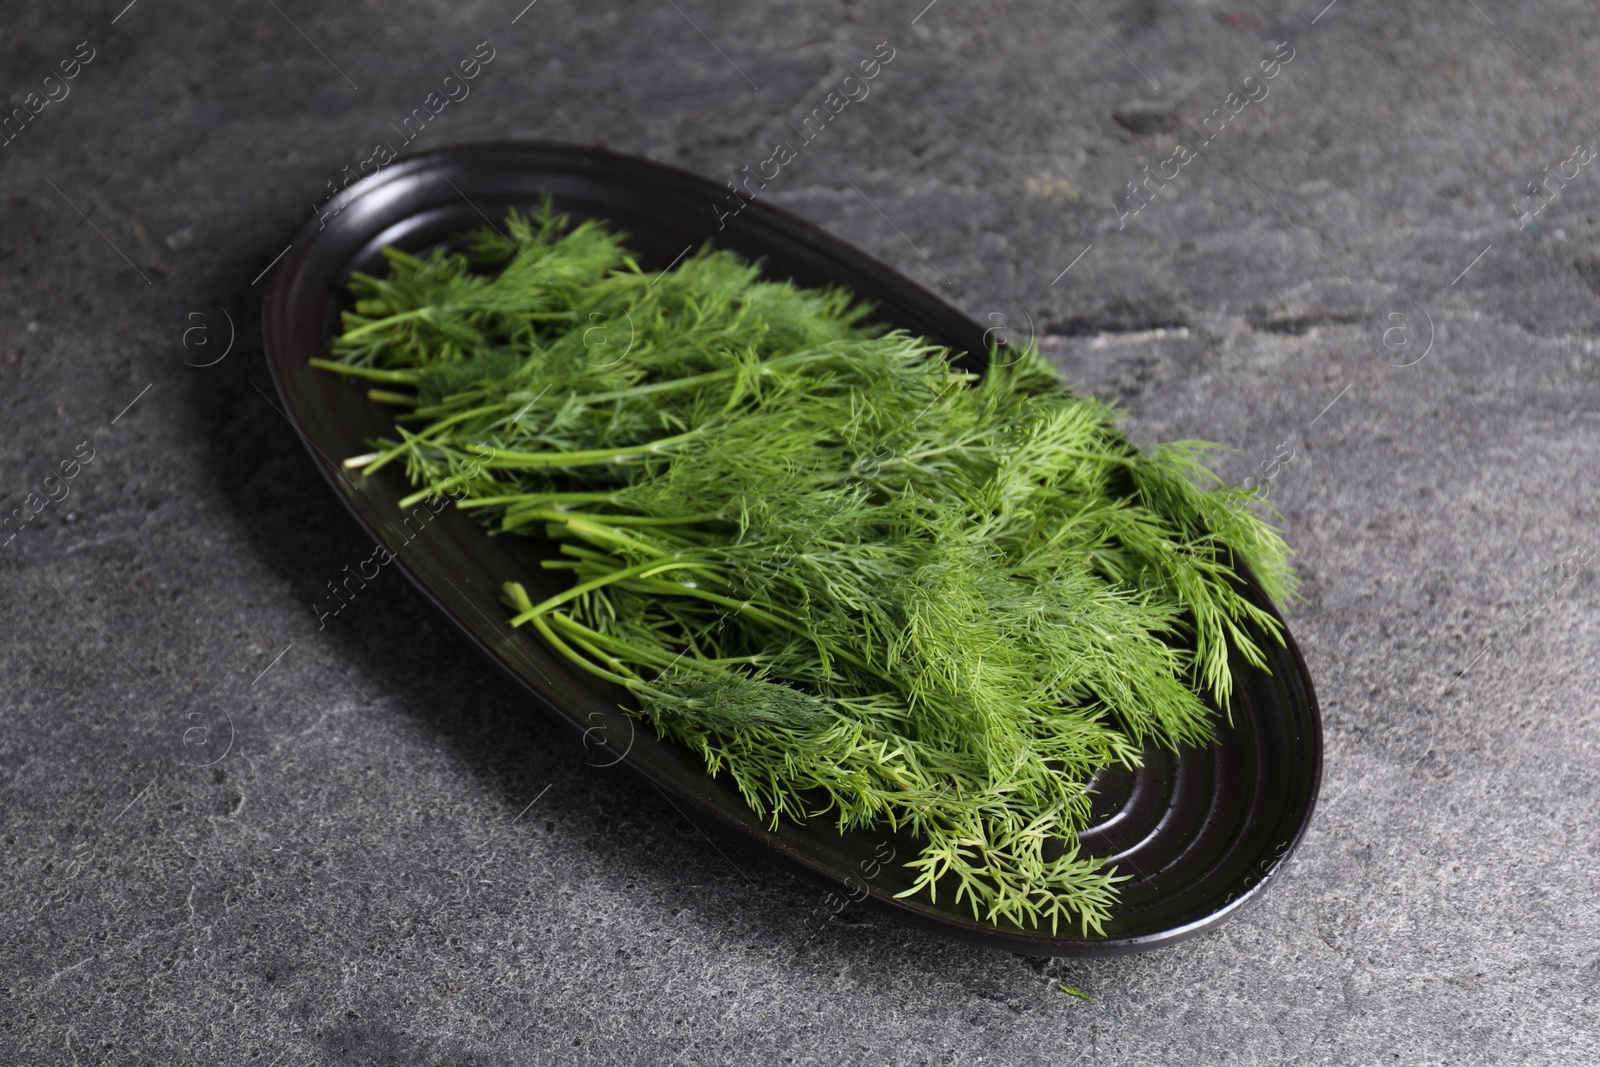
pixel 226 837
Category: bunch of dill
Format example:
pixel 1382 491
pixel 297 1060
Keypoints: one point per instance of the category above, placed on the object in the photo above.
pixel 858 580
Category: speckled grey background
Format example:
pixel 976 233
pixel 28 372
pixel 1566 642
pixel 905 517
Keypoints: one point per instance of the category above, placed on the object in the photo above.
pixel 229 838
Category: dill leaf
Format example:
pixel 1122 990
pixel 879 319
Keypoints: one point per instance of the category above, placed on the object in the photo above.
pixel 860 582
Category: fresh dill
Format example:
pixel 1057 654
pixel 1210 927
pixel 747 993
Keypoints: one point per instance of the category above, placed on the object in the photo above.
pixel 859 581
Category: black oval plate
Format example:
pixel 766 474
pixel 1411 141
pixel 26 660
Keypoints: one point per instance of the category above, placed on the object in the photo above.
pixel 1201 833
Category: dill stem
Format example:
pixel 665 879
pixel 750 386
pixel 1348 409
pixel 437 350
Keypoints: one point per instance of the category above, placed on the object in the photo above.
pixel 580 634
pixel 553 515
pixel 761 614
pixel 379 460
pixel 454 401
pixel 589 555
pixel 621 674
pixel 509 459
pixel 394 377
pixel 638 570
pixel 559 498
pixel 439 488
pixel 403 316
pixel 410 443
pixel 670 385
pixel 629 678
pixel 597 533
pixel 443 424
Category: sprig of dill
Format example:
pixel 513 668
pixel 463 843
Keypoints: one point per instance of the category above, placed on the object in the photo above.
pixel 859 581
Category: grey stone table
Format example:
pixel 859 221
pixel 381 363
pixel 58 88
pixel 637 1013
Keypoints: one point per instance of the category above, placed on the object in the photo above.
pixel 229 837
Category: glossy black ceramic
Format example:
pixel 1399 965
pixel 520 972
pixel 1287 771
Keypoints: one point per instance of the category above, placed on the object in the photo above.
pixel 1201 833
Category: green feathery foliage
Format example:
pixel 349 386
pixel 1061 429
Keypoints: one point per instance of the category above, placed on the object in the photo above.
pixel 859 581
